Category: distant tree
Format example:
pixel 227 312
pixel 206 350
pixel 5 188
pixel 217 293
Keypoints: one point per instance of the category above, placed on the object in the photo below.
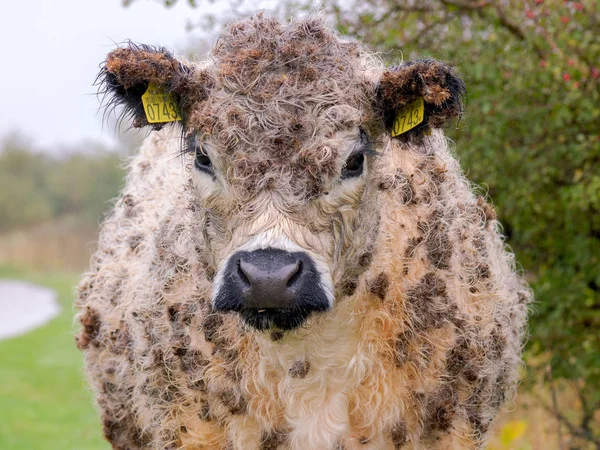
pixel 23 193
pixel 84 183
pixel 37 187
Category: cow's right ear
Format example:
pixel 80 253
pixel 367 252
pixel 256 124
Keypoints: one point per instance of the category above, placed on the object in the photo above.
pixel 150 85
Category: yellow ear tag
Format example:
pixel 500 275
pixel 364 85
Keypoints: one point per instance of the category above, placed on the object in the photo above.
pixel 159 106
pixel 409 117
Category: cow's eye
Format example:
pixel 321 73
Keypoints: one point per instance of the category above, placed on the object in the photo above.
pixel 354 165
pixel 203 162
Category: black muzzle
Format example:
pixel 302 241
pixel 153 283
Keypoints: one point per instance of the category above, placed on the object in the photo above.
pixel 271 288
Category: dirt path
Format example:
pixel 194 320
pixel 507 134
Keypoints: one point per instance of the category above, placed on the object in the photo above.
pixel 24 307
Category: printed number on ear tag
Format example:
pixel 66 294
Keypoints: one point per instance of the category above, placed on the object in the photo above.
pixel 409 117
pixel 159 106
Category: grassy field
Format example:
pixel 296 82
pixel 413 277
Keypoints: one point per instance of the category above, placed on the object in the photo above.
pixel 44 402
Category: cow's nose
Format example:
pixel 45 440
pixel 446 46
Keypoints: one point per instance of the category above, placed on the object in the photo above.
pixel 270 282
pixel 271 288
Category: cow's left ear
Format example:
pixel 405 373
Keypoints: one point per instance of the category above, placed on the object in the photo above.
pixel 150 85
pixel 419 95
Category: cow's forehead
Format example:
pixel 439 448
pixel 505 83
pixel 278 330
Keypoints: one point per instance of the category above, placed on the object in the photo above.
pixel 305 50
pixel 280 86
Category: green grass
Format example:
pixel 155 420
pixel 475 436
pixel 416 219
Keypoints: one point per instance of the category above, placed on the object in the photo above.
pixel 44 401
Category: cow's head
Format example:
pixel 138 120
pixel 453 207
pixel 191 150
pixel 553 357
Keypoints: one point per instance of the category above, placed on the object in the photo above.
pixel 285 128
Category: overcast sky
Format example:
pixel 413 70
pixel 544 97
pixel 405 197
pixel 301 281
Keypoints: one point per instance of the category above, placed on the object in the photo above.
pixel 51 54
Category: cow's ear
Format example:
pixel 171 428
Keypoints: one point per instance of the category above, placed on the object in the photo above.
pixel 419 95
pixel 150 85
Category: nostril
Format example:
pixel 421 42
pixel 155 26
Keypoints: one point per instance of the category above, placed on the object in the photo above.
pixel 295 274
pixel 242 274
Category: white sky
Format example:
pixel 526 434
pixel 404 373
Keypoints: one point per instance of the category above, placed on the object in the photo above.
pixel 51 53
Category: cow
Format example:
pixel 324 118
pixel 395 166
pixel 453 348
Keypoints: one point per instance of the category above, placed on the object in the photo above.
pixel 297 260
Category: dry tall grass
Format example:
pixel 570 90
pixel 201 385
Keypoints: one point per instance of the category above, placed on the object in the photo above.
pixel 54 246
pixel 529 425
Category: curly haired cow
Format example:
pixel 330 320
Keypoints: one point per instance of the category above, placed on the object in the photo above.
pixel 296 277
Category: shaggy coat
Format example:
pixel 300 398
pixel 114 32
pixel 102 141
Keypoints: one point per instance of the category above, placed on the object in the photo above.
pixel 422 343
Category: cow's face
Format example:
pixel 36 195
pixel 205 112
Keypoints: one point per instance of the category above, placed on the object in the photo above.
pixel 283 130
pixel 282 229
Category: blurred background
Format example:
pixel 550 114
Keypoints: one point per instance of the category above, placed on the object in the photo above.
pixel 530 138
